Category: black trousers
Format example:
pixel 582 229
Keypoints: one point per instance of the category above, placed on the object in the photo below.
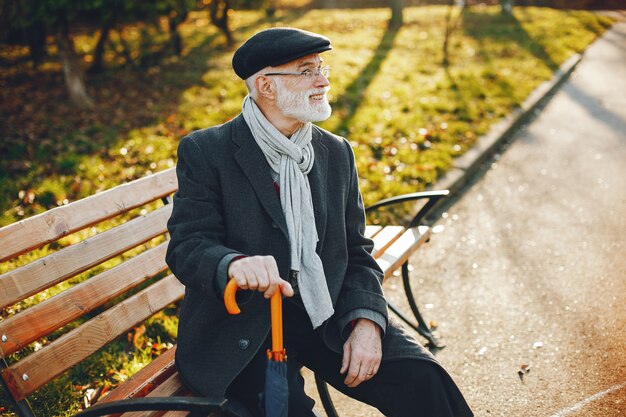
pixel 401 388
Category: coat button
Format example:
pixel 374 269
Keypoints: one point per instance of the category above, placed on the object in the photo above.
pixel 244 343
pixel 274 225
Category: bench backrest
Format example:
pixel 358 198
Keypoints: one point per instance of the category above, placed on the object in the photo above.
pixel 126 224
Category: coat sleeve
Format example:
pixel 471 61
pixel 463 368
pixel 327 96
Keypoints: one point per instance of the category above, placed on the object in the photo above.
pixel 361 289
pixel 196 253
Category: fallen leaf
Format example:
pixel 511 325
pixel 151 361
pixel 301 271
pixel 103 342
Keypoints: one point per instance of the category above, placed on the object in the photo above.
pixel 524 369
pixel 136 336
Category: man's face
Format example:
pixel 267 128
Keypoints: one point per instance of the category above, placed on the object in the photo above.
pixel 300 97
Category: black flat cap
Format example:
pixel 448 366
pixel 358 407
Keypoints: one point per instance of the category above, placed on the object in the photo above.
pixel 276 46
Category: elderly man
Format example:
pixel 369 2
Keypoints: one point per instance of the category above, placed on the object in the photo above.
pixel 272 201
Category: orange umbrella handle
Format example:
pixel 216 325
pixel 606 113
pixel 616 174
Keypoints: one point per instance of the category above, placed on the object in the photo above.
pixel 229 297
pixel 276 310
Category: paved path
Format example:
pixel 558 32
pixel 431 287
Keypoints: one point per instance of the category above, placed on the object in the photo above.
pixel 531 265
pixel 534 254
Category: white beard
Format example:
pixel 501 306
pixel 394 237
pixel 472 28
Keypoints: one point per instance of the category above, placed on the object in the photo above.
pixel 298 105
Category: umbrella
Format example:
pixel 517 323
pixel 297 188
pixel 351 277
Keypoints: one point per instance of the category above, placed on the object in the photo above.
pixel 276 394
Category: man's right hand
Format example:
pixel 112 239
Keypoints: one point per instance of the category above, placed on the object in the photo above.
pixel 259 273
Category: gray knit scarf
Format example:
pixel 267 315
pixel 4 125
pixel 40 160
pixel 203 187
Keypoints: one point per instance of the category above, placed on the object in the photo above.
pixel 292 159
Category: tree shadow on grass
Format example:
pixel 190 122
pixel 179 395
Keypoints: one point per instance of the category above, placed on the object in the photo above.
pixel 44 139
pixel 498 37
pixel 347 105
pixel 504 29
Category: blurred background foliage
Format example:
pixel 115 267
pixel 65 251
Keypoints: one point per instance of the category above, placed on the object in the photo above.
pixel 153 71
pixel 413 87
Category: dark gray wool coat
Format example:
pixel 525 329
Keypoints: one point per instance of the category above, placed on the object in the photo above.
pixel 226 205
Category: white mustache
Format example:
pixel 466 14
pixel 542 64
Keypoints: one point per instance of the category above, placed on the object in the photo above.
pixel 318 91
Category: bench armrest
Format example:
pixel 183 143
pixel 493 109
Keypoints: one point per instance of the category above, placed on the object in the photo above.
pixel 196 406
pixel 432 196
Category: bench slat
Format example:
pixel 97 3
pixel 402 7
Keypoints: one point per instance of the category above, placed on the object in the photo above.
pixel 370 231
pixel 45 317
pixel 146 379
pixel 36 231
pixel 36 276
pixel 65 352
pixel 385 238
pixel 172 386
pixel 400 251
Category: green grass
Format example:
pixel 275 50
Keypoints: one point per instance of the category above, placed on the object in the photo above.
pixel 406 115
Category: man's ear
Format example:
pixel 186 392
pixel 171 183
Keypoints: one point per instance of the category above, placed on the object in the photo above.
pixel 265 87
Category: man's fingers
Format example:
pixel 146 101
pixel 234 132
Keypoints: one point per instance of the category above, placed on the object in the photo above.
pixel 283 286
pixel 286 288
pixel 270 271
pixel 355 368
pixel 256 273
pixel 243 275
pixel 371 370
pixel 363 375
pixel 376 361
pixel 253 284
pixel 362 354
pixel 371 363
pixel 352 379
pixel 376 367
pixel 259 273
pixel 345 361
pixel 240 278
pixel 262 280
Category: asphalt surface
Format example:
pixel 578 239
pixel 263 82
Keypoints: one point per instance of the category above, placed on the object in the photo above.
pixel 529 265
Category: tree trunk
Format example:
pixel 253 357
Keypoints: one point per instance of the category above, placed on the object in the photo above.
pixel 175 38
pixel 126 51
pixel 506 7
pixel 98 56
pixel 219 17
pixel 397 7
pixel 451 25
pixel 72 72
pixel 270 10
pixel 36 39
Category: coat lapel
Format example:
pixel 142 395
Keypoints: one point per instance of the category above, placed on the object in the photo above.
pixel 254 165
pixel 317 182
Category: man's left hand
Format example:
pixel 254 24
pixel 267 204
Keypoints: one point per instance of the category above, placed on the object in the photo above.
pixel 362 353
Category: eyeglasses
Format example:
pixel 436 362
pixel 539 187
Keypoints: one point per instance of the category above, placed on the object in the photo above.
pixel 308 73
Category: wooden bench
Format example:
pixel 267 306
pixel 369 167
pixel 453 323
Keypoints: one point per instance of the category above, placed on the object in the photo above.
pixel 126 224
